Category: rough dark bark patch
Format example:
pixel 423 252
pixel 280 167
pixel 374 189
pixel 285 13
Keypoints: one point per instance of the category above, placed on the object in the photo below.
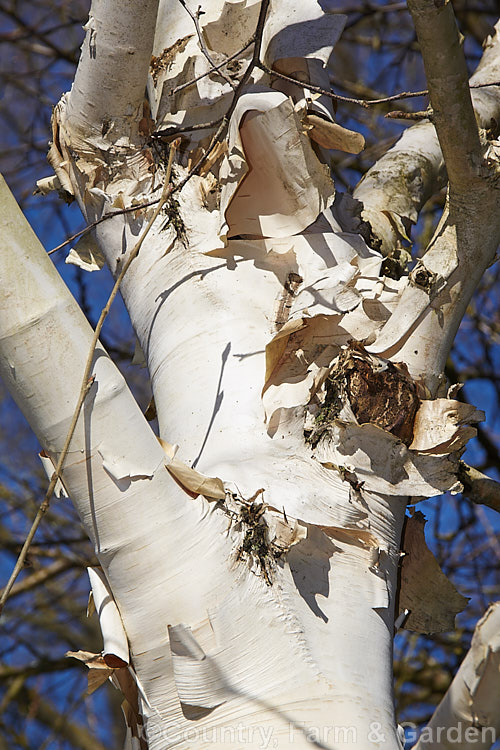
pixel 378 392
pixel 387 398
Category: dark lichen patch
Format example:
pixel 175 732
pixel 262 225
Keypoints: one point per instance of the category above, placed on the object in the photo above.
pixel 329 410
pixel 376 390
pixel 163 61
pixel 172 209
pixel 255 545
pixel 263 534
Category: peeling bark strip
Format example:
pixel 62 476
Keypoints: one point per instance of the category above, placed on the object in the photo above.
pixel 425 592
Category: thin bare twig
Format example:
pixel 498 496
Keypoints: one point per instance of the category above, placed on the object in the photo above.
pixel 397 114
pixel 239 89
pixel 178 129
pixel 352 100
pixel 94 224
pixel 255 61
pixel 87 383
pixel 86 386
pixel 229 59
pixel 195 17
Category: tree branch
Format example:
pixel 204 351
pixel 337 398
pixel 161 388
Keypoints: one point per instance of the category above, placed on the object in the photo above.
pixel 60 723
pixel 108 90
pixel 399 184
pixel 466 239
pixel 449 93
pixel 404 178
pixel 469 709
pixel 486 99
pixel 87 381
pixel 479 488
pixel 43 575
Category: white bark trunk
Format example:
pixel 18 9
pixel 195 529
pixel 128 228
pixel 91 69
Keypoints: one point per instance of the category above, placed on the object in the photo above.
pixel 260 626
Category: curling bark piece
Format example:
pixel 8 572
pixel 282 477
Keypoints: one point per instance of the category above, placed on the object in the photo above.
pixel 115 644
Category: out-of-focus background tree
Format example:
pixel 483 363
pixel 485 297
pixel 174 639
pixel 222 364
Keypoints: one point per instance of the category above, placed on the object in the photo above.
pixel 42 693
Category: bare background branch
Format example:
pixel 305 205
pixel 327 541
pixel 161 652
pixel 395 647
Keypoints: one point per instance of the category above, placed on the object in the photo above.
pixel 41 693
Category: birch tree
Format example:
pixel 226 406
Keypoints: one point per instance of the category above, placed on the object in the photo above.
pixel 249 555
